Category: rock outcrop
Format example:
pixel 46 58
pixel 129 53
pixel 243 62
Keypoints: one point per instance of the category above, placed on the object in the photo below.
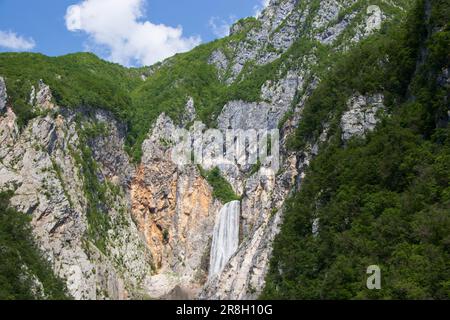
pixel 362 115
pixel 41 165
pixel 175 210
pixel 3 95
pixel 113 229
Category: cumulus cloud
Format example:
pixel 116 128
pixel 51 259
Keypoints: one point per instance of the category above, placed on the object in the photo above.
pixel 259 8
pixel 221 27
pixel 117 27
pixel 11 40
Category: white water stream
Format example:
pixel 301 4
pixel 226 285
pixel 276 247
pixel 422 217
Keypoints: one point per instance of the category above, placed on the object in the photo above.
pixel 226 237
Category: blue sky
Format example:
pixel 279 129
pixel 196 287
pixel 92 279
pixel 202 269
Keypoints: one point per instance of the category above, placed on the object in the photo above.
pixel 131 32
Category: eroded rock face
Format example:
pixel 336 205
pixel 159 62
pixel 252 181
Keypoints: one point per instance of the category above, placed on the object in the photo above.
pixel 271 32
pixel 108 150
pixel 361 116
pixel 175 210
pixel 44 97
pixel 220 61
pixel 258 39
pixel 40 165
pixel 374 19
pixel 189 114
pixel 244 115
pixel 332 33
pixel 283 22
pixel 328 11
pixel 3 95
pixel 372 23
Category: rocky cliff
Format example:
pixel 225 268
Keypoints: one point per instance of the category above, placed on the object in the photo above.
pixel 116 229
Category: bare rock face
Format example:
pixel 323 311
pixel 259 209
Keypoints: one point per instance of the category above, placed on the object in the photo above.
pixel 189 114
pixel 328 11
pixel 175 210
pixel 9 132
pixel 3 95
pixel 284 22
pixel 40 165
pixel 361 116
pixel 244 115
pixel 220 61
pixel 374 19
pixel 332 33
pixel 258 39
pixel 108 149
pixel 44 97
pixel 277 97
pixel 372 23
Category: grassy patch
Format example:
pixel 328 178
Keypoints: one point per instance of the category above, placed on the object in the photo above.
pixel 222 190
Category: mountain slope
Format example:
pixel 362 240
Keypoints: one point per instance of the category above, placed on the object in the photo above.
pixel 383 200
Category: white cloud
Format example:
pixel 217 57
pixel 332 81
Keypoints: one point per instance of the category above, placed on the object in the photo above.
pixel 117 27
pixel 221 27
pixel 259 8
pixel 11 40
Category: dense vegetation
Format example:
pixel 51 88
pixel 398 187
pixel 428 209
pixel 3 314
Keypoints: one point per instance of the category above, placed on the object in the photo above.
pixel 222 190
pixel 83 80
pixel 21 263
pixel 383 200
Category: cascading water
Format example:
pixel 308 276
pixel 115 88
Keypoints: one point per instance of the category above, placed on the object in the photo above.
pixel 226 237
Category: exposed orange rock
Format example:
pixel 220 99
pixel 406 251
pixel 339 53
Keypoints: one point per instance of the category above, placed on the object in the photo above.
pixel 152 209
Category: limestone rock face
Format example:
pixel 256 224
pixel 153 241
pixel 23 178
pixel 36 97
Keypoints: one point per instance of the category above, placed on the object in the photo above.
pixel 244 115
pixel 361 116
pixel 3 95
pixel 371 23
pixel 284 22
pixel 189 114
pixel 39 164
pixel 220 61
pixel 9 132
pixel 374 19
pixel 328 11
pixel 108 150
pixel 175 210
pixel 332 33
pixel 44 97
pixel 253 47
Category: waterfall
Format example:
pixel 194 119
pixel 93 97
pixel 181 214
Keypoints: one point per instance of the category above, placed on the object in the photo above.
pixel 225 238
